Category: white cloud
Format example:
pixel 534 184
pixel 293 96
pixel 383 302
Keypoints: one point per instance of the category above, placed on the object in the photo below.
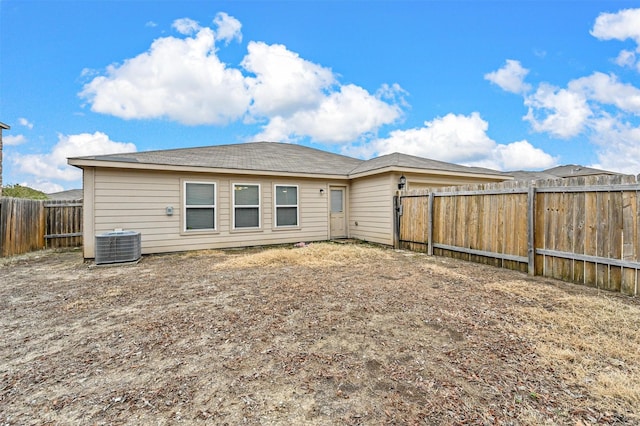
pixel 43 185
pixel 283 82
pixel 561 112
pixel 341 117
pixel 53 165
pixel 598 106
pixel 587 103
pixel 519 155
pixel 229 28
pixel 183 79
pixel 626 58
pixel 621 25
pixel 458 139
pixel 150 24
pixel 591 105
pixel 606 89
pixel 510 77
pixel 88 73
pixel 13 140
pixel 26 123
pixel 393 93
pixel 186 26
pixel 302 99
pixel 618 146
pixel 453 138
pixel 180 79
pixel 277 130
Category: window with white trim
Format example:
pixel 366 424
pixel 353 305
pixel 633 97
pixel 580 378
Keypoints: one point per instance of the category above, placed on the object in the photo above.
pixel 286 205
pixel 246 206
pixel 199 206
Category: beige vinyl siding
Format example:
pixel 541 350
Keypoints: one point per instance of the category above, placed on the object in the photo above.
pixel 137 200
pixel 371 207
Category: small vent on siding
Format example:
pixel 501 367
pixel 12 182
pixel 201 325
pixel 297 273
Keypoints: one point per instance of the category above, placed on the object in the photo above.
pixel 118 247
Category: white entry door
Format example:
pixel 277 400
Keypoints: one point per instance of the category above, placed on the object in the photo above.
pixel 338 217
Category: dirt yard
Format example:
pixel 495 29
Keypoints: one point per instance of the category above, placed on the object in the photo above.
pixel 326 334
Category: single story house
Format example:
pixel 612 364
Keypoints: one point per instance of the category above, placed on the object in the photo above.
pixel 249 194
pixel 70 194
pixel 560 172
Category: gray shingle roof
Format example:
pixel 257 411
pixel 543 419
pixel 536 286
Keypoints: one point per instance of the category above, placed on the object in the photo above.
pixel 71 194
pixel 567 171
pixel 571 170
pixel 282 157
pixel 410 161
pixel 257 156
pixel 524 175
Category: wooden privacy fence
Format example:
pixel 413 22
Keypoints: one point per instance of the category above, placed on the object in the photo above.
pixel 63 223
pixel 583 230
pixel 27 225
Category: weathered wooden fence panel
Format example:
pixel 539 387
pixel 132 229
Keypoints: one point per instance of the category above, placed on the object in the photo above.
pixel 482 224
pixel 417 209
pixel 583 230
pixel 64 223
pixel 22 224
pixel 28 225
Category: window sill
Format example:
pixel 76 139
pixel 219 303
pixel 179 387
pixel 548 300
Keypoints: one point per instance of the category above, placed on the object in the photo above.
pixel 200 232
pixel 287 228
pixel 245 230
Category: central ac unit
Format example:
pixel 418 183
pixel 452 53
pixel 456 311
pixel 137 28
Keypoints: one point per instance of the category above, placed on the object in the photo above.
pixel 118 247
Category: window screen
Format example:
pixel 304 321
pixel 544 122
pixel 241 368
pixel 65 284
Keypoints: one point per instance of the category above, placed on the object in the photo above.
pixel 200 206
pixel 286 205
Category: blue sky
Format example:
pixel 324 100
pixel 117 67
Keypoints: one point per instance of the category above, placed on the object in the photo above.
pixel 508 85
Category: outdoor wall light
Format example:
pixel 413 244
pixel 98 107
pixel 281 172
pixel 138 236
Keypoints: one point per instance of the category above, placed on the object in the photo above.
pixel 321 191
pixel 402 182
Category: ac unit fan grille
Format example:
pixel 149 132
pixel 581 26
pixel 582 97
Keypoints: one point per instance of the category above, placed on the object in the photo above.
pixel 118 247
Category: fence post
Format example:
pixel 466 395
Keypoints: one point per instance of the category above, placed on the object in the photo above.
pixel 531 223
pixel 2 205
pixel 430 224
pixel 42 225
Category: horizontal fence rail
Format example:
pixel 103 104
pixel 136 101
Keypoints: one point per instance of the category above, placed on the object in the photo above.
pixel 583 230
pixel 28 225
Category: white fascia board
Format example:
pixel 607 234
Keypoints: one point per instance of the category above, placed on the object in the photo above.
pixel 80 162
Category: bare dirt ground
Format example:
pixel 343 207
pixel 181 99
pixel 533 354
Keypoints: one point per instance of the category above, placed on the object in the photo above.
pixel 327 334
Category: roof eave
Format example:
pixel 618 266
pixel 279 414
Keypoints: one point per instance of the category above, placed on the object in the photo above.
pixel 429 172
pixel 84 162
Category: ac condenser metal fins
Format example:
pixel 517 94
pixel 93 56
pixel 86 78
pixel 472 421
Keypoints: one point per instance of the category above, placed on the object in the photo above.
pixel 118 247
